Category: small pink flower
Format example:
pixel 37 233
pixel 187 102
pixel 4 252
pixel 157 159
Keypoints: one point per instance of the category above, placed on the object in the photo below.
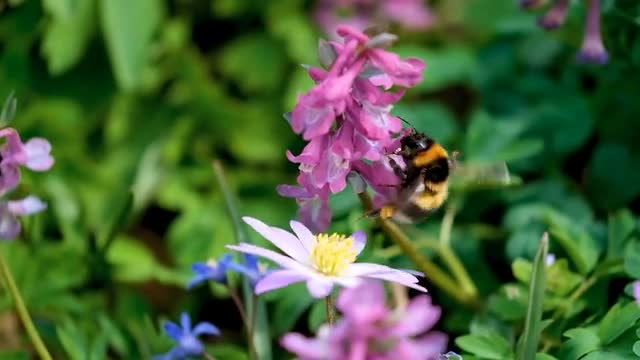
pixel 34 154
pixel 556 16
pixel 636 291
pixel 10 210
pixel 412 14
pixel 593 51
pixel 370 330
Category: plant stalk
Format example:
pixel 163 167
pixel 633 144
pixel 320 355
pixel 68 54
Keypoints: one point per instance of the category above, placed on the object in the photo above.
pixel 23 313
pixel 449 256
pixel 331 312
pixel 430 269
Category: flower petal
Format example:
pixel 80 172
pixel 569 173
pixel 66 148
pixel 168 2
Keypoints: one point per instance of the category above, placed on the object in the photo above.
pixel 29 205
pixel 172 329
pixel 420 316
pixel 319 288
pixel 278 279
pixel 206 328
pixel 9 226
pixel 305 235
pixel 37 152
pixel 636 291
pixel 360 240
pixel 306 348
pixel 395 277
pixel 185 321
pixel 281 260
pixel 283 239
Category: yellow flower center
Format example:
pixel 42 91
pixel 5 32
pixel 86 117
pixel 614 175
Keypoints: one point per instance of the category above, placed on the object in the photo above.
pixel 333 253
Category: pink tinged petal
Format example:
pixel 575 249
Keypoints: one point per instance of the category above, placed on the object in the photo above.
pixel 360 240
pixel 364 304
pixel 593 51
pixel 398 279
pixel 316 214
pixel 419 316
pixel 9 226
pixel 278 279
pixel 14 149
pixel 350 32
pixel 38 156
pixel 319 288
pixel 317 74
pixel 556 16
pixel 432 344
pixel 403 72
pixel 412 14
pixel 9 177
pixel 311 116
pixel 305 236
pixel 636 291
pixel 293 191
pixel 358 349
pixel 29 205
pixel 284 240
pixel 281 260
pixel 377 271
pixel 312 151
pixel 305 348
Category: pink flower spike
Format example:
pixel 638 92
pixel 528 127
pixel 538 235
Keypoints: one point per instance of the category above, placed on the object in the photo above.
pixel 556 16
pixel 330 262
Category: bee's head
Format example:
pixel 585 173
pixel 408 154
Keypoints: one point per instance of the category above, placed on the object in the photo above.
pixel 414 143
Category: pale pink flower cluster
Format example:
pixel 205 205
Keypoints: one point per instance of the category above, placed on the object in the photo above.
pixel 369 330
pixel 412 15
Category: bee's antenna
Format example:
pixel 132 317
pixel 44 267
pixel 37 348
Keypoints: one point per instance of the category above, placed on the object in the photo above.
pixel 406 122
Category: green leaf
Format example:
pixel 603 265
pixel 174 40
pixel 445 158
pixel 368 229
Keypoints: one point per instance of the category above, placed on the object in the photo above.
pixel 612 189
pixel 132 260
pixel 576 241
pixel 632 261
pixel 617 321
pixel 70 28
pixel 445 66
pixel 238 61
pixel 621 226
pixel 528 342
pixel 541 356
pixel 581 341
pixel 431 118
pixel 129 28
pixel 228 351
pixel 289 306
pixel 491 346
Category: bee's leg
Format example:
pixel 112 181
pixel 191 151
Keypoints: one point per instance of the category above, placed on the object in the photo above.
pixel 387 211
pixel 397 169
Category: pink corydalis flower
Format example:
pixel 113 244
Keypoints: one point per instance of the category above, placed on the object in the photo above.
pixel 321 260
pixel 34 154
pixel 371 330
pixel 346 117
pixel 10 210
pixel 412 15
pixel 592 50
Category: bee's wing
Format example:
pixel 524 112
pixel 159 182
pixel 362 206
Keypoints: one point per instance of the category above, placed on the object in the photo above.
pixel 482 175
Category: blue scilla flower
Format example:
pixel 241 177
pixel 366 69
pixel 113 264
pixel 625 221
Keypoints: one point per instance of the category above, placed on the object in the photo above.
pixel 251 268
pixel 186 337
pixel 211 270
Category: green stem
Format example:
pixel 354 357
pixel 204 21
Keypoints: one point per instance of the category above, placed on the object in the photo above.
pixel 331 314
pixel 449 256
pixel 23 313
pixel 245 319
pixel 430 269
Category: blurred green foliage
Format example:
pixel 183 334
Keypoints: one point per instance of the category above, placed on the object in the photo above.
pixel 140 96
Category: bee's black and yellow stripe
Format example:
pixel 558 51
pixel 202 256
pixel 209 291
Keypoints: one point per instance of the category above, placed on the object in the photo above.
pixel 425 185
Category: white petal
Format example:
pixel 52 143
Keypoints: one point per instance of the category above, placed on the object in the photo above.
pixel 278 279
pixel 319 288
pixel 364 269
pixel 29 205
pixel 283 239
pixel 279 259
pixel 305 235
pixel 360 240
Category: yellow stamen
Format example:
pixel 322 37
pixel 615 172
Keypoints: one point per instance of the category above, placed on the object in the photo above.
pixel 333 253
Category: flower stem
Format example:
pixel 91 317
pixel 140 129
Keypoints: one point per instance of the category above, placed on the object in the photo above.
pixel 23 313
pixel 449 256
pixel 430 269
pixel 331 312
pixel 245 319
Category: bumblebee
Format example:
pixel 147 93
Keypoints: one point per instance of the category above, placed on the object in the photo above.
pixel 424 181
